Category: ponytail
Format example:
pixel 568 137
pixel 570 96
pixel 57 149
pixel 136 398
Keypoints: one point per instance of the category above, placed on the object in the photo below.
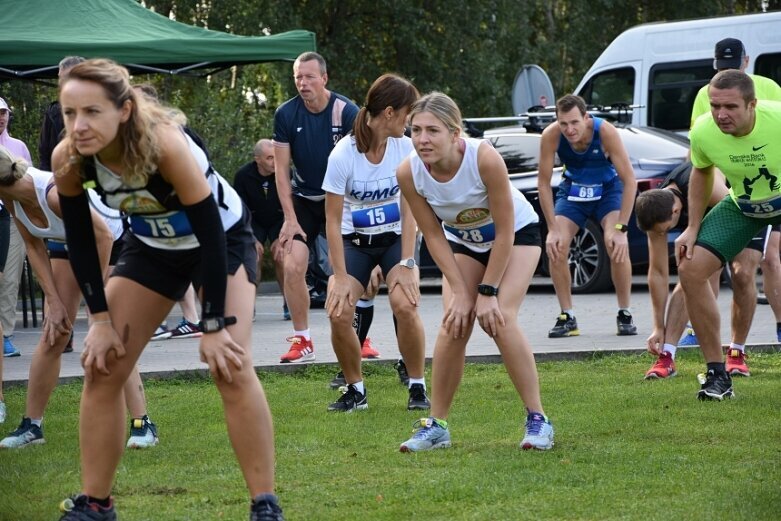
pixel 362 131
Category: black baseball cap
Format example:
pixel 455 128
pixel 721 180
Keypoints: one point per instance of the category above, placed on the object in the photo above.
pixel 729 54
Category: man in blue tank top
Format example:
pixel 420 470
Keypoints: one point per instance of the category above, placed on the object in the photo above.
pixel 306 128
pixel 598 183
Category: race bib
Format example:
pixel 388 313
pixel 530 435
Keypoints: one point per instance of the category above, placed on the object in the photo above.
pixel 584 193
pixel 167 226
pixel 763 208
pixel 482 233
pixel 373 218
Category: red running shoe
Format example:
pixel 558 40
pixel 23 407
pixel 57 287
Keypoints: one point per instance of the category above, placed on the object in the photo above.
pixel 301 350
pixel 736 363
pixel 367 350
pixel 663 368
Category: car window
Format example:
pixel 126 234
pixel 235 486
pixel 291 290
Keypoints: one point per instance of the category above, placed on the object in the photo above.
pixel 653 145
pixel 521 152
pixel 610 87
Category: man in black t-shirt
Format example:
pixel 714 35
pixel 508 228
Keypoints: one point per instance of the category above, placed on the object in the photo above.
pixel 256 185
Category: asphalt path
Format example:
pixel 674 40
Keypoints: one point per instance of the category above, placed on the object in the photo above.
pixel 595 313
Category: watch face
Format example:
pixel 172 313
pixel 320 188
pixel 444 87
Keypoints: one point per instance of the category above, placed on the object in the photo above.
pixel 408 263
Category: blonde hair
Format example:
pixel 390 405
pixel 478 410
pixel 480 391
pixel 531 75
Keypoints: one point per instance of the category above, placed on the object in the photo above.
pixel 11 168
pixel 441 106
pixel 137 136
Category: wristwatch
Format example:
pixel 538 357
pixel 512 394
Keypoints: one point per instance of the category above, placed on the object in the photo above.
pixel 487 290
pixel 408 263
pixel 622 228
pixel 214 324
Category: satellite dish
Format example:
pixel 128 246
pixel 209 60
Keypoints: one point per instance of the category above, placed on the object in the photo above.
pixel 531 88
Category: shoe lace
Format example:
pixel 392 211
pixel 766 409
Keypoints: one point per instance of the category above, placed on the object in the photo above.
pixel 296 342
pixel 416 393
pixel 562 320
pixel 349 393
pixel 534 425
pixel 265 511
pixel 422 427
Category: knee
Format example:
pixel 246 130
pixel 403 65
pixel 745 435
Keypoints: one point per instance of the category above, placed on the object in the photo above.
pixel 742 276
pixel 293 268
pixel 342 322
pixel 404 311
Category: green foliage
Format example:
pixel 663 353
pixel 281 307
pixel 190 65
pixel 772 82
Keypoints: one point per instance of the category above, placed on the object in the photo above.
pixel 625 449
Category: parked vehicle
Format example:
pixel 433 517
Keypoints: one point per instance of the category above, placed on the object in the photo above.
pixel 653 153
pixel 651 73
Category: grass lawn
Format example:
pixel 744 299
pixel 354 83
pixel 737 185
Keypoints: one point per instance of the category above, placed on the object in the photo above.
pixel 625 449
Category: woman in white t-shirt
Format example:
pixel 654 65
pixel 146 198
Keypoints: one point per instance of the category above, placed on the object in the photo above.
pixel 487 248
pixel 365 216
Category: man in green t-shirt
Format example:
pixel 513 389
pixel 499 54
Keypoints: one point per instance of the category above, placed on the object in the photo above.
pixel 730 54
pixel 741 138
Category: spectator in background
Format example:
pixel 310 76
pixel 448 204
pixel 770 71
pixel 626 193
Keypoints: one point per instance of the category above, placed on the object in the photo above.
pixel 256 185
pixel 9 285
pixel 52 126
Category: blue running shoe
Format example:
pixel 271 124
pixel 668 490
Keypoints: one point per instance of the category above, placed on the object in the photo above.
pixel 9 350
pixel 265 507
pixel 430 433
pixel 285 312
pixel 539 432
pixel 79 508
pixel 689 338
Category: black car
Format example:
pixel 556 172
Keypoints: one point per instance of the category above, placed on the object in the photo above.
pixel 653 153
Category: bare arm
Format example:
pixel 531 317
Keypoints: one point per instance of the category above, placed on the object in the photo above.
pixel 548 145
pixel 614 147
pixel 493 172
pixel 700 190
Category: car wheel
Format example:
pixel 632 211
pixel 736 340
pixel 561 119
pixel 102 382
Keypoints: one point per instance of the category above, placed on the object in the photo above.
pixel 589 263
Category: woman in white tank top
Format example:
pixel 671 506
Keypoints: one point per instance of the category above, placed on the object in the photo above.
pixel 487 248
pixel 27 194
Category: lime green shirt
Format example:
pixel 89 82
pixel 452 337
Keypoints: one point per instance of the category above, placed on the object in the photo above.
pixel 751 163
pixel 764 88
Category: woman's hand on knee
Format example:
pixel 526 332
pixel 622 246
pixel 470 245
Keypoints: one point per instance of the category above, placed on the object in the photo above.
pixel 101 339
pixel 220 351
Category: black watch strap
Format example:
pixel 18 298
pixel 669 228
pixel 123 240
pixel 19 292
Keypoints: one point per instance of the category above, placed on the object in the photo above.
pixel 488 290
pixel 214 324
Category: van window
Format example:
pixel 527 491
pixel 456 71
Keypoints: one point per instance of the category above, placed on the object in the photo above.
pixel 610 88
pixel 672 90
pixel 769 66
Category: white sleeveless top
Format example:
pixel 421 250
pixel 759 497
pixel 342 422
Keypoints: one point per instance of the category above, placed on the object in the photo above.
pixel 56 228
pixel 462 202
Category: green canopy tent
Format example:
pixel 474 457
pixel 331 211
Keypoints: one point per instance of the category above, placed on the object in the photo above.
pixel 37 34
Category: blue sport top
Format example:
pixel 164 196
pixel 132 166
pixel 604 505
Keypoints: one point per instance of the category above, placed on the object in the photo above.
pixel 311 137
pixel 590 166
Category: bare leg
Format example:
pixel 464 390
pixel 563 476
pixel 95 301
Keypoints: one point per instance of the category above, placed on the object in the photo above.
pixel 771 271
pixel 701 302
pixel 562 279
pixel 45 365
pixel 676 318
pixel 620 272
pixel 135 399
pixel 246 410
pixel 512 342
pixel 187 304
pixel 102 413
pixel 744 293
pixel 344 339
pixel 411 338
pixel 448 365
pixel 296 293
pixel 279 266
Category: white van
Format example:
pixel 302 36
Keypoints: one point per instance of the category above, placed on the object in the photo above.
pixel 655 70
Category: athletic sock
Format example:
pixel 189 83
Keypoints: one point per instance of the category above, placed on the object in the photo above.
pixel 716 367
pixel 362 319
pixel 36 421
pixel 304 333
pixel 739 347
pixel 568 312
pixel 670 348
pixel 421 381
pixel 359 386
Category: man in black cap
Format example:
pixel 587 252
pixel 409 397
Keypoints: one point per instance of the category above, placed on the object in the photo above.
pixel 731 54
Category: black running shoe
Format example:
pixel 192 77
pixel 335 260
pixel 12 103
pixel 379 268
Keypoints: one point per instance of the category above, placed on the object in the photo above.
pixel 338 381
pixel 265 508
pixel 69 346
pixel 78 508
pixel 566 325
pixel 351 400
pixel 624 324
pixel 417 398
pixel 401 368
pixel 716 386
